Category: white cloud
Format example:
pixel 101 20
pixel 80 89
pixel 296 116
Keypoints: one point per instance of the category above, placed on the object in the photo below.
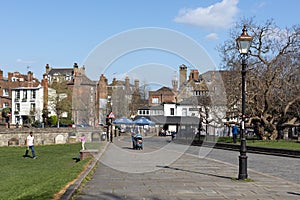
pixel 257 7
pixel 212 36
pixel 19 60
pixel 219 15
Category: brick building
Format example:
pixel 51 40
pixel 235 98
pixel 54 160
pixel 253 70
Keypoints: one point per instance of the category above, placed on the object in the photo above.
pixel 84 92
pixel 162 95
pixel 12 81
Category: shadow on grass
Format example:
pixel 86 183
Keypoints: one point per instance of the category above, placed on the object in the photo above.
pixel 26 156
pixel 76 159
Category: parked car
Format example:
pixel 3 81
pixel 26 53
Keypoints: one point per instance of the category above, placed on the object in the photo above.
pixel 83 125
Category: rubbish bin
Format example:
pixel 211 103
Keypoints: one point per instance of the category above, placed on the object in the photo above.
pixel 103 136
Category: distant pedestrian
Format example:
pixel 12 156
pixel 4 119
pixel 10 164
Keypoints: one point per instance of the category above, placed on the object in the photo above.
pixel 82 139
pixel 30 145
pixel 173 134
pixel 234 133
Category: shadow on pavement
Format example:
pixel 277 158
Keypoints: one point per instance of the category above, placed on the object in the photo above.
pixel 106 195
pixel 184 170
pixel 127 148
pixel 294 193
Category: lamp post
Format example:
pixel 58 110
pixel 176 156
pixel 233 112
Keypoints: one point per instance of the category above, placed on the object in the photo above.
pixel 243 43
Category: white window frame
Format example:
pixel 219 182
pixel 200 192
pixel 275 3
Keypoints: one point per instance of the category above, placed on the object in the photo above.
pixel 5 105
pixel 155 100
pixel 5 92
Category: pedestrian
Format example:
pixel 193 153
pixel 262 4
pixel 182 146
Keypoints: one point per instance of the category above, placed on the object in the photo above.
pixel 30 145
pixel 173 134
pixel 82 139
pixel 234 133
pixel 133 139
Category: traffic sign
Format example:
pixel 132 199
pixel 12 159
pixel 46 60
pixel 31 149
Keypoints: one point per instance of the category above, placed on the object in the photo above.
pixel 8 114
pixel 111 115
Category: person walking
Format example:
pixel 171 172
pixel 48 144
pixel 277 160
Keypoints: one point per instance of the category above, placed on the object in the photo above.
pixel 82 138
pixel 234 133
pixel 30 145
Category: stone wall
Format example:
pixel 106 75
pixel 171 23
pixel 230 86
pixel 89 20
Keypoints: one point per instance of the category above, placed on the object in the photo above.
pixel 44 136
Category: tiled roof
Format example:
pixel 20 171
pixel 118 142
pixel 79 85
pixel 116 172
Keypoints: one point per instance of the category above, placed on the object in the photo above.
pixel 61 71
pixel 164 89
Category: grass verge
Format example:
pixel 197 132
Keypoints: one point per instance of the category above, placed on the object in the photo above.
pixel 280 144
pixel 41 178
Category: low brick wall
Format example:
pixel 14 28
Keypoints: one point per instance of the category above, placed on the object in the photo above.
pixel 44 136
pixel 88 153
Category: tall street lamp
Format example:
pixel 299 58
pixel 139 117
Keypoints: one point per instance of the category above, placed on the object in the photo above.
pixel 243 43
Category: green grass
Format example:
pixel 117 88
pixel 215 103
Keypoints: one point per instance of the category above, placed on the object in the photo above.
pixel 281 144
pixel 39 178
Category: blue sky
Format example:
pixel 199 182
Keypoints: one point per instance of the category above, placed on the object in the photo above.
pixel 61 32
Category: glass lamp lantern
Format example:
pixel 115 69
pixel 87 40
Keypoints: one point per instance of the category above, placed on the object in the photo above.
pixel 244 42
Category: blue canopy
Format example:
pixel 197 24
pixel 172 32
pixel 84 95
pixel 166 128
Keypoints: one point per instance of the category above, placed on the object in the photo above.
pixel 123 120
pixel 143 121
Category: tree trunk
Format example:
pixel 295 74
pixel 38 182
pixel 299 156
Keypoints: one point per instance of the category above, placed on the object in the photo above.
pixel 274 135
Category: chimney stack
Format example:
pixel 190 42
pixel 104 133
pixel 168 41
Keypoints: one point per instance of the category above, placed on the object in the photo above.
pixel 136 84
pixel 29 76
pixel 182 74
pixel 103 87
pixel 45 91
pixel 194 75
pixel 75 68
pixel 47 68
pixel 127 82
pixel 9 76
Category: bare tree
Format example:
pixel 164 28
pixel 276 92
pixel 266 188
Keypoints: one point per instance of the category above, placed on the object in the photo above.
pixel 138 98
pixel 273 76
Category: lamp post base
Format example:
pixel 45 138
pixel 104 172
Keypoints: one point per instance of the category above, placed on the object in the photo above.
pixel 243 167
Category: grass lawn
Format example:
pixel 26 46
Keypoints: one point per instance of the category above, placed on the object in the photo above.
pixel 280 144
pixel 41 178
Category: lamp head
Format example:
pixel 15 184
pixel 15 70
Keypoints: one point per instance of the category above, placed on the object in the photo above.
pixel 244 41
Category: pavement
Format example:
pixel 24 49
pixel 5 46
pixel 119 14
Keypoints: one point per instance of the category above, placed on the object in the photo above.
pixel 172 173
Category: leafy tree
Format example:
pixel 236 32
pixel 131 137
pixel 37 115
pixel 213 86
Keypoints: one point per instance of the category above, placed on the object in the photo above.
pixel 5 112
pixel 52 120
pixel 272 94
pixel 62 101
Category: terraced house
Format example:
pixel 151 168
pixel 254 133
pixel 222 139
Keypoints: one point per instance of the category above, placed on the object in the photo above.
pixel 7 96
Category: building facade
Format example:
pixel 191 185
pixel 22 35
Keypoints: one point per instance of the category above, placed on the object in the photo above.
pixel 27 105
pixel 12 81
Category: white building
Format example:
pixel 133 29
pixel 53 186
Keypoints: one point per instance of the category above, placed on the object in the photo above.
pixel 27 104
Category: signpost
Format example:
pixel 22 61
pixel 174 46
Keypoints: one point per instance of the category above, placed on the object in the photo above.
pixel 111 115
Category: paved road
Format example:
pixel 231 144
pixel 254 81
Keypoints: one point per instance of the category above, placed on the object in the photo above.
pixel 284 167
pixel 166 170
